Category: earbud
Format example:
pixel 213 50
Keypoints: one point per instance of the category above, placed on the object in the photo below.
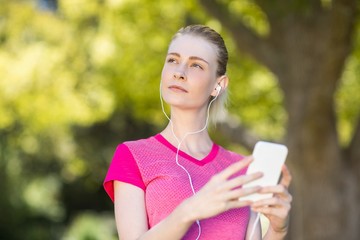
pixel 218 89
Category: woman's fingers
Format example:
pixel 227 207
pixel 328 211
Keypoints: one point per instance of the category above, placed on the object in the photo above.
pixel 234 168
pixel 274 211
pixel 276 207
pixel 237 204
pixel 277 189
pixel 286 176
pixel 241 180
pixel 279 205
pixel 271 202
pixel 240 192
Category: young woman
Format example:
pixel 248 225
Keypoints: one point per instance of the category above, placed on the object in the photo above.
pixel 179 184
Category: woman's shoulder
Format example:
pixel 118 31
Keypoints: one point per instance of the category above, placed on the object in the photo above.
pixel 142 146
pixel 139 142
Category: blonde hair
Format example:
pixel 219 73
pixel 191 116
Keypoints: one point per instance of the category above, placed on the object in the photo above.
pixel 218 108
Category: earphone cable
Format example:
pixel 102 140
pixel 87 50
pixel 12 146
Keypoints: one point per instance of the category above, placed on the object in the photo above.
pixel 254 226
pixel 181 141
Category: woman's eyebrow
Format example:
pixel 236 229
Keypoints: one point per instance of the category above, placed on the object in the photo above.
pixel 174 53
pixel 199 58
pixel 191 58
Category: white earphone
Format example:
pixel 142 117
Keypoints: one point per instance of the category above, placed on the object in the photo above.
pixel 218 88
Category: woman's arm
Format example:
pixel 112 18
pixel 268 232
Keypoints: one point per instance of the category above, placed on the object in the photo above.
pixel 129 210
pixel 131 219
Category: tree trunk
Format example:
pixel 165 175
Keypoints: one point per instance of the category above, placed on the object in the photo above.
pixel 313 59
pixel 306 49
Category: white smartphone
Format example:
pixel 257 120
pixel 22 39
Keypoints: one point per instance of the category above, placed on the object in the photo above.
pixel 268 159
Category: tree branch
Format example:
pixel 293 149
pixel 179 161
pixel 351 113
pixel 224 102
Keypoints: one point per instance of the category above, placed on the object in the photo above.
pixel 276 10
pixel 233 130
pixel 245 38
pixel 345 2
pixel 343 15
pixel 341 30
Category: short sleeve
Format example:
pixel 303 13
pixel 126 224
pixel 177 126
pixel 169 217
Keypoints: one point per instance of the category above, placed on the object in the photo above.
pixel 124 168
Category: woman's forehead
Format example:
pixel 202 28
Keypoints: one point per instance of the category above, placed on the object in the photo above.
pixel 189 45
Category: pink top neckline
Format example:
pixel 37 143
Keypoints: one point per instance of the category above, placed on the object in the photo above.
pixel 201 162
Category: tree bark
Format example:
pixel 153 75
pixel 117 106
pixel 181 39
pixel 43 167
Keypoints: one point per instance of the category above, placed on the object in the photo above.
pixel 306 49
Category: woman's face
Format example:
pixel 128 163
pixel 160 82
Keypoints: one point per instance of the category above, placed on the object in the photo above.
pixel 189 74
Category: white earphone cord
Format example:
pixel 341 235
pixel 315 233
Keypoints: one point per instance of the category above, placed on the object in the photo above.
pixel 254 226
pixel 181 141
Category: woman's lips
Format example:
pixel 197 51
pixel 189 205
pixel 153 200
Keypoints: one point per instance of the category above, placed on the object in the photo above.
pixel 176 88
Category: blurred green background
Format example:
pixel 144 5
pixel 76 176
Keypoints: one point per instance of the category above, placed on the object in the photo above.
pixel 77 77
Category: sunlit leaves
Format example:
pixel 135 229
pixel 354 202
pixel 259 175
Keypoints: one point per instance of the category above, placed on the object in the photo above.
pixel 251 15
pixel 38 84
pixel 256 99
pixel 90 225
pixel 41 196
pixel 348 100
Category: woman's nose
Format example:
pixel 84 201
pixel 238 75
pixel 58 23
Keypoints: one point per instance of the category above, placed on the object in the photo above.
pixel 179 73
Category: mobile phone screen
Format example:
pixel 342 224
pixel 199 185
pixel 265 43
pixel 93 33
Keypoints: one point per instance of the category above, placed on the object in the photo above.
pixel 268 159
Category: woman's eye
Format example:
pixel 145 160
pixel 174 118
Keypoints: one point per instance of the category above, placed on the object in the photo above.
pixel 171 60
pixel 196 65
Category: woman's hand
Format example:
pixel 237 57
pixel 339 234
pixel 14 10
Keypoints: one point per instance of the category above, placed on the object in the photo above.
pixel 277 208
pixel 222 192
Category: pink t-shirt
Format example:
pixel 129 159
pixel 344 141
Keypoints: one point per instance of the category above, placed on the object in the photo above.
pixel 150 165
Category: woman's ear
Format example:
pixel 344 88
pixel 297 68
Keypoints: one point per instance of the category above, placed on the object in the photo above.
pixel 220 85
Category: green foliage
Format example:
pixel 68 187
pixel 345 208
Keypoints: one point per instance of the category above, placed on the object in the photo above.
pixel 347 96
pixel 76 82
pixel 256 98
pixel 250 14
pixel 91 226
pixel 40 196
pixel 43 84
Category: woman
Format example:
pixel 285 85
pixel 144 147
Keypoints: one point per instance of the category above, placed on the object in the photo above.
pixel 178 184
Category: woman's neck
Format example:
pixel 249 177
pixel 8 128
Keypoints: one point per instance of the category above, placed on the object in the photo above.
pixel 197 145
pixel 188 121
pixel 190 130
